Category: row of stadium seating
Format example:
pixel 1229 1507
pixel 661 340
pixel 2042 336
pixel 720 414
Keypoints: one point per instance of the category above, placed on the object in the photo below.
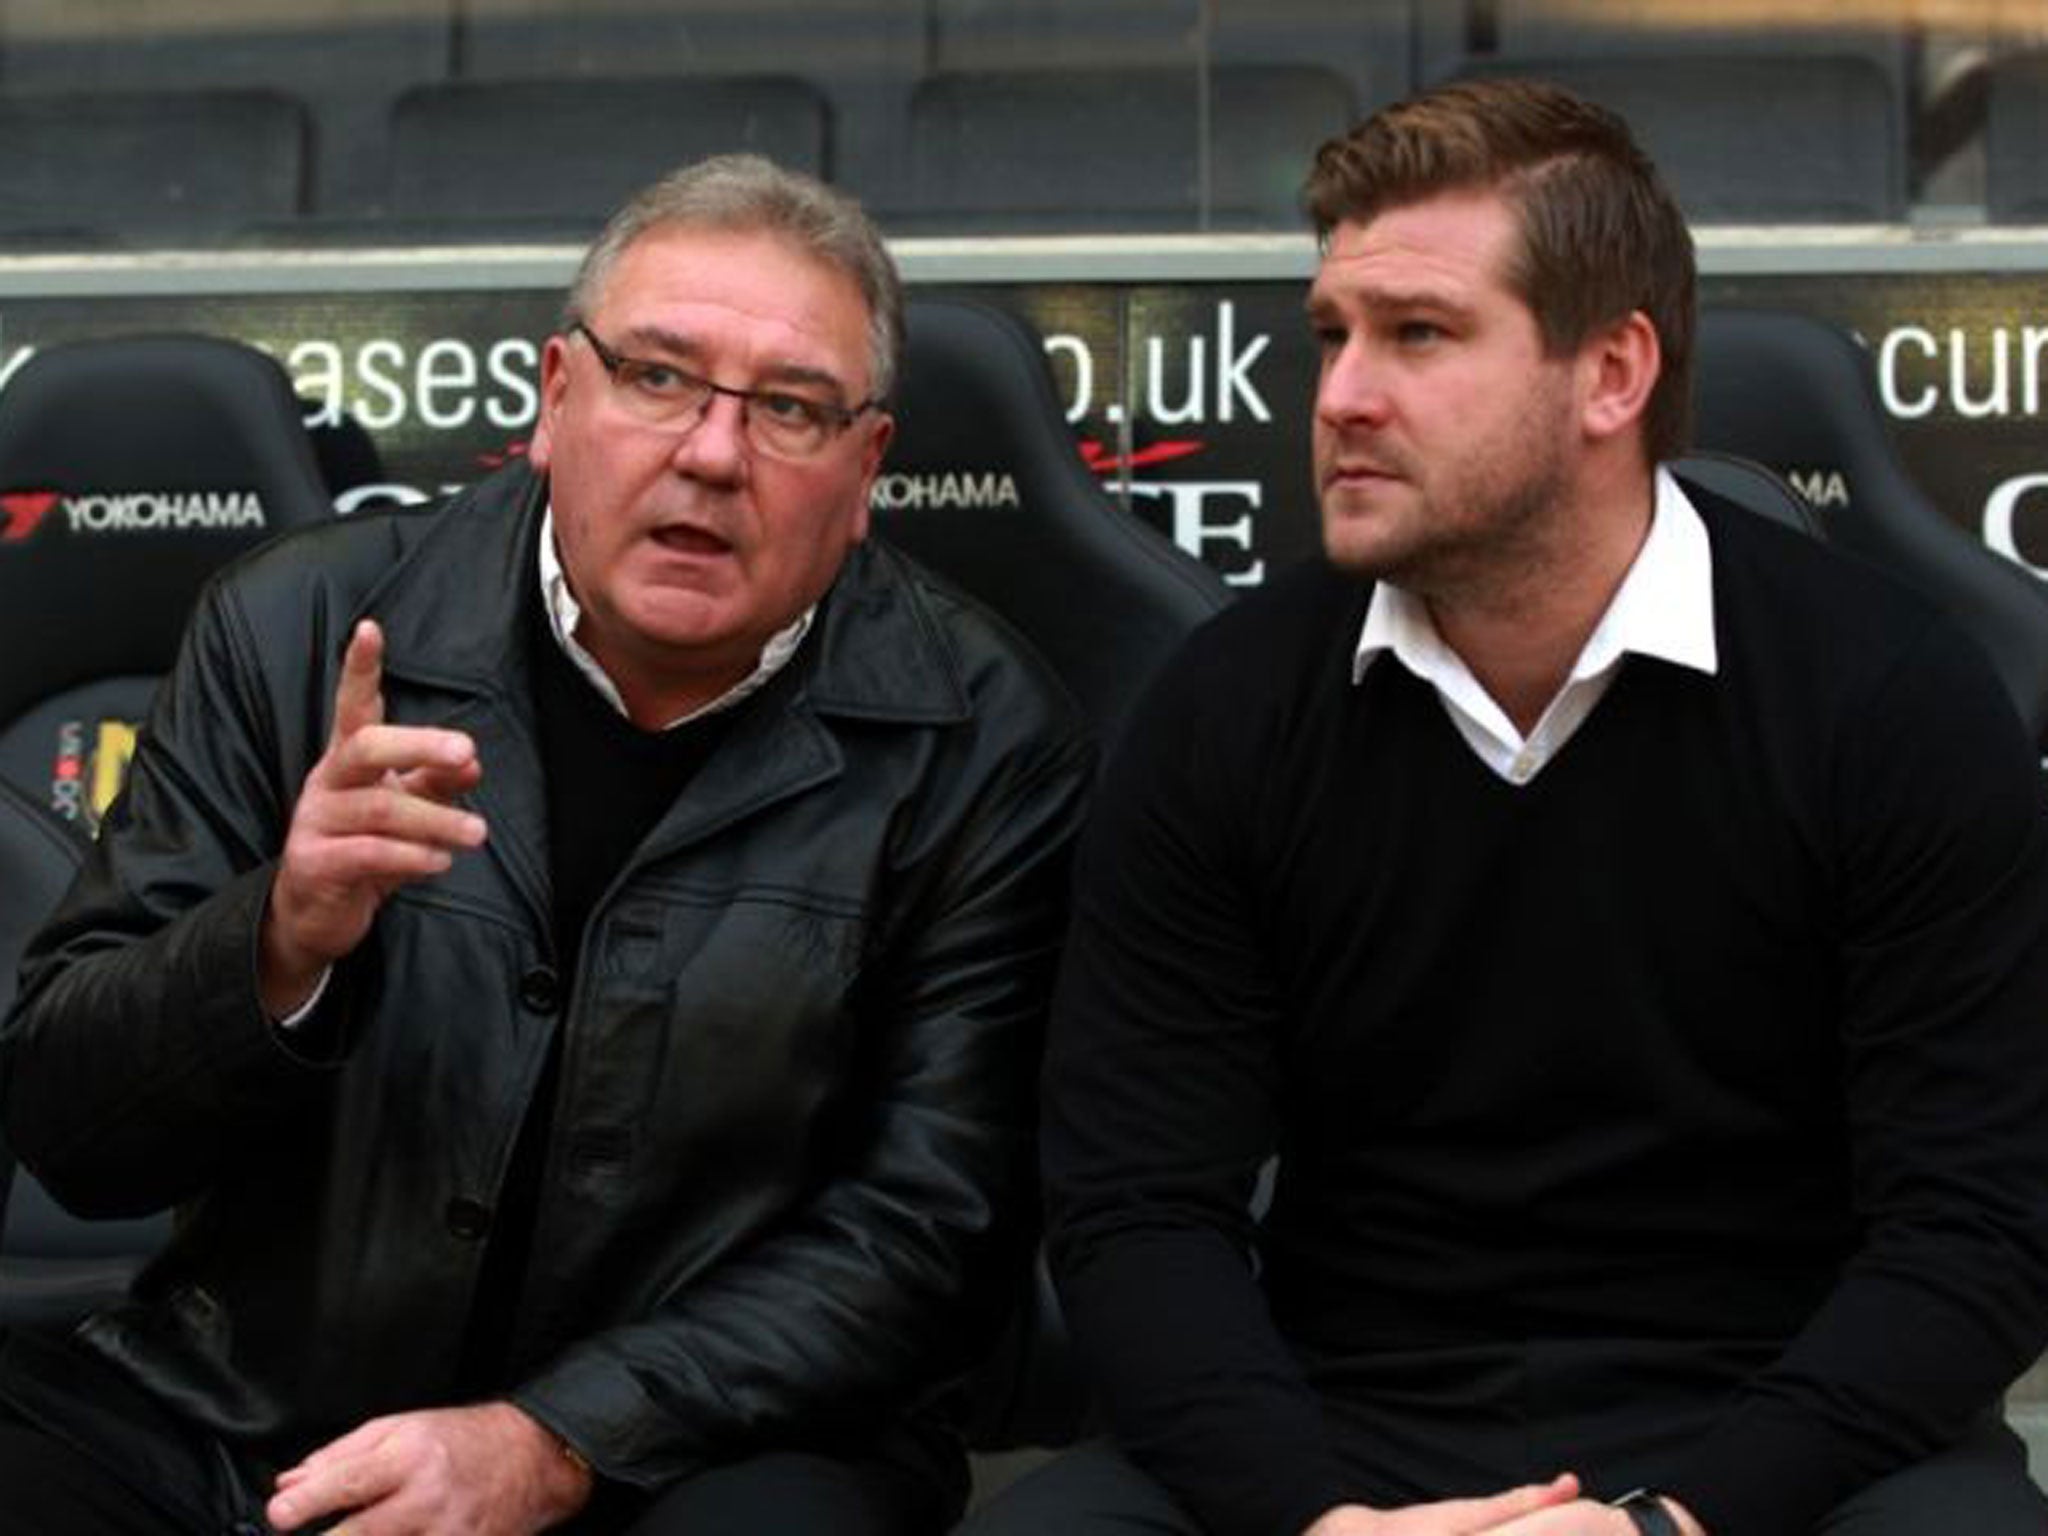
pixel 331 122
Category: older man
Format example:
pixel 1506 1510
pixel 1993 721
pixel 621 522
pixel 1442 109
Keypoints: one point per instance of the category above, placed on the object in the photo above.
pixel 573 960
pixel 1626 921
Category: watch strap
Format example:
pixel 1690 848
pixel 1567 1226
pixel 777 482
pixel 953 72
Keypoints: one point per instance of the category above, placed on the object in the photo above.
pixel 1645 1506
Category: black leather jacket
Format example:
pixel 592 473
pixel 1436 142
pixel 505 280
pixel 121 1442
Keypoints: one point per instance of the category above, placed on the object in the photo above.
pixel 795 1104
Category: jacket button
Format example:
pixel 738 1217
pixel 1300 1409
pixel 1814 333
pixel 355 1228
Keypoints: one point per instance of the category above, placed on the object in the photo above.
pixel 540 990
pixel 468 1219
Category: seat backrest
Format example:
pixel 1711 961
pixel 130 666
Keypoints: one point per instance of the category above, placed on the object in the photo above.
pixel 344 59
pixel 985 485
pixel 170 165
pixel 1451 31
pixel 1751 486
pixel 2016 138
pixel 52 1264
pixel 1131 148
pixel 1800 397
pixel 1829 127
pixel 130 470
pixel 585 144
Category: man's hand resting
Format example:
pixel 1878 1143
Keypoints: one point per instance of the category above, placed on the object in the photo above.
pixel 487 1470
pixel 1452 1517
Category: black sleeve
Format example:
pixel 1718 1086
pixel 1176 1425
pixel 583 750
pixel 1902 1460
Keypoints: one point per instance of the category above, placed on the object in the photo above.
pixel 138 1059
pixel 1941 849
pixel 1160 1097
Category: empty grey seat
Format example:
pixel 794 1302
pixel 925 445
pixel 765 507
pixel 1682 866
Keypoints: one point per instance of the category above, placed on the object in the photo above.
pixel 1136 149
pixel 861 54
pixel 559 155
pixel 1750 138
pixel 2016 139
pixel 344 59
pixel 167 165
pixel 1447 33
pixel 514 39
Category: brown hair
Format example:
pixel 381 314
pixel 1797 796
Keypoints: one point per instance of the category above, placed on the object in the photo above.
pixel 1601 233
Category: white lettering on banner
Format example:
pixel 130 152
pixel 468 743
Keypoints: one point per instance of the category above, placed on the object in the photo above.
pixel 13 364
pixel 318 375
pixel 1821 487
pixel 369 363
pixel 1233 368
pixel 1996 402
pixel 1194 407
pixel 357 497
pixel 144 511
pixel 1202 393
pixel 445 385
pixel 2002 351
pixel 515 363
pixel 67 785
pixel 2001 512
pixel 951 489
pixel 1232 380
pixel 1084 372
pixel 431 379
pixel 1188 504
pixel 1888 372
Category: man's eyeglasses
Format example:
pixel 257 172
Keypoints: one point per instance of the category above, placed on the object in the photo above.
pixel 779 422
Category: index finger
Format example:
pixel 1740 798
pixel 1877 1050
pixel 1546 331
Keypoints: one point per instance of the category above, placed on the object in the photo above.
pixel 1503 1509
pixel 359 696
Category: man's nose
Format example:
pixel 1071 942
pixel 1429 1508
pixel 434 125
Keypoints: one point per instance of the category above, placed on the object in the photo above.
pixel 716 447
pixel 1353 387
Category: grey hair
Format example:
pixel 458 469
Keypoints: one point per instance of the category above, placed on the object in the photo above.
pixel 747 193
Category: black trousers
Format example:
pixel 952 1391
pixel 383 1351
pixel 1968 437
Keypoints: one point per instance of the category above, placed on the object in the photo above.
pixel 85 1452
pixel 1978 1486
pixel 53 1489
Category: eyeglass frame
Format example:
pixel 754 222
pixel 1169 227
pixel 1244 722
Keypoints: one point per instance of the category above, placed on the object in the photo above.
pixel 837 417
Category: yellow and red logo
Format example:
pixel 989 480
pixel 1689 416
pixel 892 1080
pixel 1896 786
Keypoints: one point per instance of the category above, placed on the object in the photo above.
pixel 92 760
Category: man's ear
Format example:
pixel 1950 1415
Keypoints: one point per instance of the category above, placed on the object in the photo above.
pixel 872 455
pixel 1619 368
pixel 554 379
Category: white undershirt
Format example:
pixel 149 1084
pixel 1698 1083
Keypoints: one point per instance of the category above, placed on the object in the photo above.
pixel 564 614
pixel 1664 607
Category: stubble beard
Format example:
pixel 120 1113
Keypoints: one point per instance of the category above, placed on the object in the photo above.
pixel 1479 535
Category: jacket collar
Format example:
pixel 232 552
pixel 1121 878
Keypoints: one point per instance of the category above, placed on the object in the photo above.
pixel 453 611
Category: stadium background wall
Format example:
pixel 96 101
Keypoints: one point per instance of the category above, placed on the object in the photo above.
pixel 1188 395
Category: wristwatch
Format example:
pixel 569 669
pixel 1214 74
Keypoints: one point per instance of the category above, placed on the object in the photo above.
pixel 1645 1506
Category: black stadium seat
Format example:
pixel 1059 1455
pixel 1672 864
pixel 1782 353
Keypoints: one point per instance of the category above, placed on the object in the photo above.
pixel 1145 148
pixel 1750 485
pixel 984 485
pixel 584 144
pixel 1800 397
pixel 130 470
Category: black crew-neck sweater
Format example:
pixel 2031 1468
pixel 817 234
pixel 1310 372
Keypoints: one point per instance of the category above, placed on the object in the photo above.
pixel 607 782
pixel 1729 1025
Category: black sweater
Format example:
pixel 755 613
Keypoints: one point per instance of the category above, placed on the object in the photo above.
pixel 1731 1025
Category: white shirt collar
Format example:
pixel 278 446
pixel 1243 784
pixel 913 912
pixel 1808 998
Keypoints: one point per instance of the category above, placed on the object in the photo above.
pixel 564 614
pixel 1664 608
